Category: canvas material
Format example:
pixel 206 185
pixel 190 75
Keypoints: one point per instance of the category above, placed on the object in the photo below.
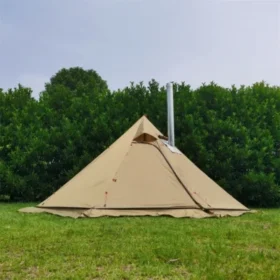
pixel 95 213
pixel 134 173
pixel 204 190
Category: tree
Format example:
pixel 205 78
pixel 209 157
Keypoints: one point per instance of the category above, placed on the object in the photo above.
pixel 78 81
pixel 232 134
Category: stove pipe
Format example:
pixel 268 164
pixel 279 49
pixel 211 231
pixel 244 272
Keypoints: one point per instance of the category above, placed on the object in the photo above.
pixel 170 115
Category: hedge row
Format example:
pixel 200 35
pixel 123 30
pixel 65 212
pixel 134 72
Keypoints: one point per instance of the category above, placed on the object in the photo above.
pixel 232 134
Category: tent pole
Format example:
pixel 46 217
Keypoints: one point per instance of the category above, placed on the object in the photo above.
pixel 170 115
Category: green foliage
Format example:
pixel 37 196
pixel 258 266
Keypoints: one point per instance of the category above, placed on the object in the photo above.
pixel 78 81
pixel 232 134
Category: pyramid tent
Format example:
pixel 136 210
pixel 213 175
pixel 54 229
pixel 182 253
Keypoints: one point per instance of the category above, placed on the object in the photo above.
pixel 138 175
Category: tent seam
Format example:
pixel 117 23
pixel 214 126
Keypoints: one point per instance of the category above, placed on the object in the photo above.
pixel 178 177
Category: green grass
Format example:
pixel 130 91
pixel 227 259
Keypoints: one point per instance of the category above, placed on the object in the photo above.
pixel 44 246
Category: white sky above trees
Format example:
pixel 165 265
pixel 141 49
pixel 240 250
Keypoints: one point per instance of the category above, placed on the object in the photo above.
pixel 225 41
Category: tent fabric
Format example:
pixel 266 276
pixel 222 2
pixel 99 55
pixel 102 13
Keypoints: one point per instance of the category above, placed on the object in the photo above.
pixel 96 213
pixel 73 213
pixel 203 189
pixel 139 175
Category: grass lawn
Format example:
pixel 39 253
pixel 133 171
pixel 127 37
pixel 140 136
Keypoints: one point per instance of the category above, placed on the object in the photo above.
pixel 44 246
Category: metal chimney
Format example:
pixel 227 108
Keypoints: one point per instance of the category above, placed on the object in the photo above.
pixel 170 114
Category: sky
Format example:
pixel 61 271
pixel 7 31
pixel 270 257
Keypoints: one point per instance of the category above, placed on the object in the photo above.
pixel 225 41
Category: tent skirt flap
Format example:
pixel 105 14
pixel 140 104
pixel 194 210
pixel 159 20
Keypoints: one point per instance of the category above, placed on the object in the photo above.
pixel 94 213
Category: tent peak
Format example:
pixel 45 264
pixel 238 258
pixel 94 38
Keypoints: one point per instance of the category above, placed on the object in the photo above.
pixel 146 131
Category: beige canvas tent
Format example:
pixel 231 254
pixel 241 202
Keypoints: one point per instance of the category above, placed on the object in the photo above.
pixel 141 174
